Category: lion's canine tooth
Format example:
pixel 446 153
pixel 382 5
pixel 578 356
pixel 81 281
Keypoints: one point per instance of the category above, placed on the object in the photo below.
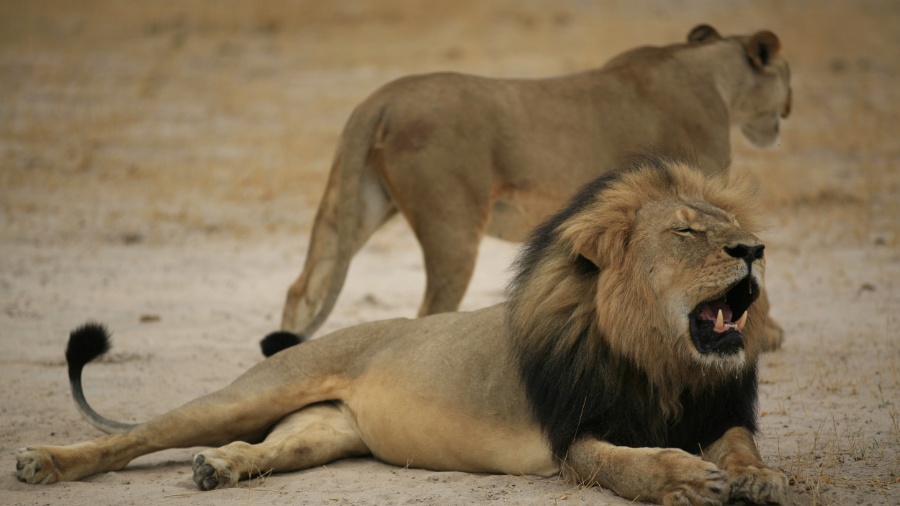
pixel 741 322
pixel 720 323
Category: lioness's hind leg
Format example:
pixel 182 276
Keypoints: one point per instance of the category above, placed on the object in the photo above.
pixel 310 437
pixel 334 241
pixel 449 243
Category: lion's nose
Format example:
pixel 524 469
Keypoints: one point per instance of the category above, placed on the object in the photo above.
pixel 748 252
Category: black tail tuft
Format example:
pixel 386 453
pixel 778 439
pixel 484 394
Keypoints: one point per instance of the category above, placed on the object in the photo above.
pixel 86 343
pixel 277 341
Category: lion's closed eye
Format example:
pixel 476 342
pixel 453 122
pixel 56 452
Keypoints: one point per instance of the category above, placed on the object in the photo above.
pixel 687 231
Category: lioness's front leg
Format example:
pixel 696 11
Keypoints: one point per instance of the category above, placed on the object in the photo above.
pixel 661 475
pixel 751 479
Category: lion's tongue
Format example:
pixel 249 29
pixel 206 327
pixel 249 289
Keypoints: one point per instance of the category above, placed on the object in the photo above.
pixel 710 311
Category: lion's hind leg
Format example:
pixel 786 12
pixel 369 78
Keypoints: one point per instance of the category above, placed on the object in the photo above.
pixel 313 436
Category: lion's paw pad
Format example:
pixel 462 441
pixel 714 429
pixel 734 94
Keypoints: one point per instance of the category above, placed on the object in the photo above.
pixel 35 466
pixel 212 473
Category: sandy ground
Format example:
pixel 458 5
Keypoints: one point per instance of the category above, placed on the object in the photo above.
pixel 160 163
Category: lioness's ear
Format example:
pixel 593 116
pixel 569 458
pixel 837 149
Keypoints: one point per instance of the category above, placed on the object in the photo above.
pixel 762 47
pixel 703 33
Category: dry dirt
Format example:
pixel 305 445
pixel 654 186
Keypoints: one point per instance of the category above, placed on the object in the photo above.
pixel 160 163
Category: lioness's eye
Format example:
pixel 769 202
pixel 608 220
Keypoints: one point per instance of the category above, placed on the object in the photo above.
pixel 686 230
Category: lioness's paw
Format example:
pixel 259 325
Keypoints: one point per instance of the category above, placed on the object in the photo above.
pixel 36 466
pixel 691 481
pixel 211 472
pixel 759 485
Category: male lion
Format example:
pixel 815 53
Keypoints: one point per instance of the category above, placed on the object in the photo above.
pixel 461 156
pixel 629 343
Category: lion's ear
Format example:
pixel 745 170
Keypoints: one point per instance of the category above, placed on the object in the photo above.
pixel 602 246
pixel 589 253
pixel 703 33
pixel 761 48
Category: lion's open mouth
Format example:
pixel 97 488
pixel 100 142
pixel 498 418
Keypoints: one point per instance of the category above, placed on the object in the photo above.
pixel 717 325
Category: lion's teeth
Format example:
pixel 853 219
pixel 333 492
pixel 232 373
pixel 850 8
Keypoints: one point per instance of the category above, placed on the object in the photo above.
pixel 720 323
pixel 741 322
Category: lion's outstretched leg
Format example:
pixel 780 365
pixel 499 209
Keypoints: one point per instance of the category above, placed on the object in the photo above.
pixel 751 479
pixel 243 410
pixel 195 424
pixel 204 422
pixel 50 464
pixel 659 475
pixel 313 436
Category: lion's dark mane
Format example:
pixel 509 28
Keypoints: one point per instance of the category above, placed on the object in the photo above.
pixel 578 387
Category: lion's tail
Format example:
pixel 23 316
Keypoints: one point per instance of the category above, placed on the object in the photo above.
pixel 86 343
pixel 352 208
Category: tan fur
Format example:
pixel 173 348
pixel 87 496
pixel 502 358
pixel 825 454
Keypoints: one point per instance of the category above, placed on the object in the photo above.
pixel 461 156
pixel 445 392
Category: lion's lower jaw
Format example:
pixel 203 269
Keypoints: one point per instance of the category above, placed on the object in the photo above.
pixel 731 363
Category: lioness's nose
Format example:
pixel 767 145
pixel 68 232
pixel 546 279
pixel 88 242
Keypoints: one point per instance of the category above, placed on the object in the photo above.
pixel 748 252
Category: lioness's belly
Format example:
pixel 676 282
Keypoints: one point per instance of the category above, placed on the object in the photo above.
pixel 446 397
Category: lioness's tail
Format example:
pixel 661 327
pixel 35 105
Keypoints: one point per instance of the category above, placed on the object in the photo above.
pixel 354 205
pixel 86 343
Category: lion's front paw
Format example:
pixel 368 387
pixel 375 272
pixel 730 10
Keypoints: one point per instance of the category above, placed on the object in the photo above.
pixel 691 481
pixel 211 472
pixel 36 466
pixel 760 485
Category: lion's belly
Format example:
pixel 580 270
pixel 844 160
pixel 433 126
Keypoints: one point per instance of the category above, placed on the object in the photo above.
pixel 444 395
pixel 406 428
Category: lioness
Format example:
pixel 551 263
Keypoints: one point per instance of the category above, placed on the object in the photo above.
pixel 461 156
pixel 629 343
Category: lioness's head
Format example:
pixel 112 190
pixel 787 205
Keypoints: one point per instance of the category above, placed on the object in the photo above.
pixel 659 264
pixel 756 85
